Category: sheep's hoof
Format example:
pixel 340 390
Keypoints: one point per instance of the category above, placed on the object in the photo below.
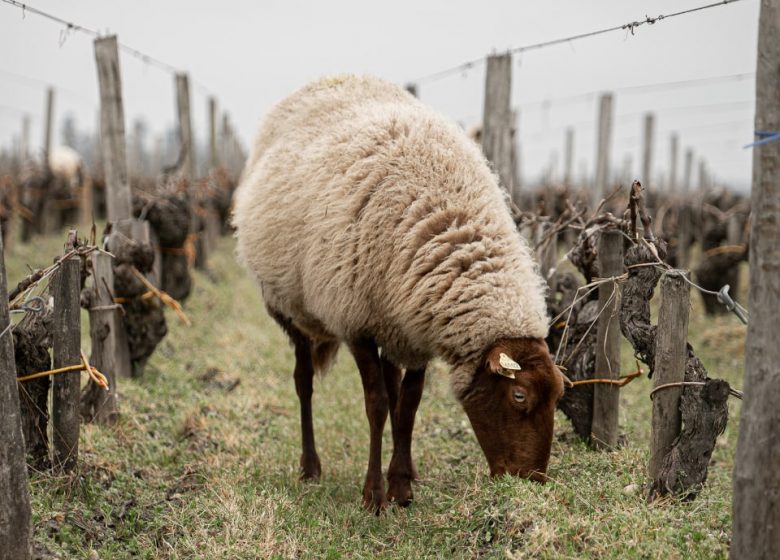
pixel 400 490
pixel 374 500
pixel 310 468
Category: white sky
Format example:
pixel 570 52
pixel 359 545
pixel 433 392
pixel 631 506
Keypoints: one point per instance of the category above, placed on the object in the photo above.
pixel 252 53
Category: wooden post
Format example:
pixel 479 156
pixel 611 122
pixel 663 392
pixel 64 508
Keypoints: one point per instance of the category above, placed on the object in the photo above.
pixel 547 254
pixel 112 128
pixel 86 204
pixel 568 156
pixel 674 147
pixel 648 128
pixel 756 504
pixel 12 225
pixel 104 319
pixel 15 525
pixel 113 148
pixel 703 179
pixel 213 156
pixel 66 339
pixel 47 131
pixel 606 398
pixel 24 144
pixel 603 139
pixel 497 118
pixel 411 88
pixel 684 234
pixel 671 354
pixel 514 158
pixel 688 173
pixel 185 124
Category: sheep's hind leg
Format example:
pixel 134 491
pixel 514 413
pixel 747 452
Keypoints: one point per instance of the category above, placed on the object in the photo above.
pixel 401 471
pixel 376 400
pixel 304 375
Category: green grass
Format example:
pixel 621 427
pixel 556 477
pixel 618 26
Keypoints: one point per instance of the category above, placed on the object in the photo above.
pixel 194 470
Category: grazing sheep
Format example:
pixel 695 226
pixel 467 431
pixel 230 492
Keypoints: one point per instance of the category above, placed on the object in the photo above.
pixel 368 219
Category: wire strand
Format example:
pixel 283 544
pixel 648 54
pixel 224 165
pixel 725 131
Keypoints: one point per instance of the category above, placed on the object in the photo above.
pixel 630 26
pixel 132 51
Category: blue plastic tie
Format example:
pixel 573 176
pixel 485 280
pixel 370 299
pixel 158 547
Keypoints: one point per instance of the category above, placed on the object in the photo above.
pixel 765 137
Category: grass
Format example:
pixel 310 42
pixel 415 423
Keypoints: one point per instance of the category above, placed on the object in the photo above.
pixel 198 467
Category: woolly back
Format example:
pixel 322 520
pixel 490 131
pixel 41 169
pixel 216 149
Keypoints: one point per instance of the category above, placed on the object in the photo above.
pixel 362 213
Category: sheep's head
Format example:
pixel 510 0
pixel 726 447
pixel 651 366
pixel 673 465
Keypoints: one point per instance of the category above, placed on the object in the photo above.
pixel 511 404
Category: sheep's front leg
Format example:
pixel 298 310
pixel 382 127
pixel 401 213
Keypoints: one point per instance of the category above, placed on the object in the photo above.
pixel 401 471
pixel 375 393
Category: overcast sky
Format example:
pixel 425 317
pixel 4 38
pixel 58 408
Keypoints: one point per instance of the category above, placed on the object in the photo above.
pixel 251 53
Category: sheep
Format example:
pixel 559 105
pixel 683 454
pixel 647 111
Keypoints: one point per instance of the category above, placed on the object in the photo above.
pixel 368 219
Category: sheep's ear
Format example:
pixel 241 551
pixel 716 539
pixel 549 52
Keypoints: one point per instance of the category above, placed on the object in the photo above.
pixel 499 362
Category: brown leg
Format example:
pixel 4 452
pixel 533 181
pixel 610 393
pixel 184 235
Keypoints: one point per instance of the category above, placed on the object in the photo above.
pixel 304 374
pixel 375 393
pixel 401 471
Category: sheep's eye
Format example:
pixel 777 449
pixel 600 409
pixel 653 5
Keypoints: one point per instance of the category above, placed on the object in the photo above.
pixel 519 396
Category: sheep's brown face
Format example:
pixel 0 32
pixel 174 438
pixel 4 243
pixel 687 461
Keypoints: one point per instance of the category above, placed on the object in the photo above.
pixel 513 417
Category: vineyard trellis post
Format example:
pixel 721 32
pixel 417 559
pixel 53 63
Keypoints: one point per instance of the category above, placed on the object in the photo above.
pixel 497 119
pixel 756 502
pixel 15 513
pixel 66 340
pixel 568 156
pixel 603 140
pixel 98 404
pixel 188 161
pixel 648 132
pixel 24 143
pixel 46 219
pixel 674 141
pixel 688 173
pixel 606 397
pixel 185 125
pixel 670 358
pixel 47 126
pixel 213 156
pixel 112 140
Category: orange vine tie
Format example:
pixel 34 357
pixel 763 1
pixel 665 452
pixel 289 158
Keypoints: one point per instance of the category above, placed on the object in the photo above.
pixel 94 374
pixel 620 382
pixel 165 298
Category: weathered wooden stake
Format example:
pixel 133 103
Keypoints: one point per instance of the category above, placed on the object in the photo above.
pixel 648 129
pixel 66 339
pixel 606 398
pixel 185 124
pixel 671 355
pixel 114 151
pixel 674 147
pixel 86 205
pixel 603 140
pixel 756 511
pixel 105 318
pixel 497 118
pixel 704 183
pixel 47 131
pixel 688 174
pixel 112 126
pixel 15 526
pixel 547 254
pixel 568 157
pixel 684 235
pixel 213 155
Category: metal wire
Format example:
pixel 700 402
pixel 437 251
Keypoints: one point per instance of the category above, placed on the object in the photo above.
pixel 132 51
pixel 630 26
